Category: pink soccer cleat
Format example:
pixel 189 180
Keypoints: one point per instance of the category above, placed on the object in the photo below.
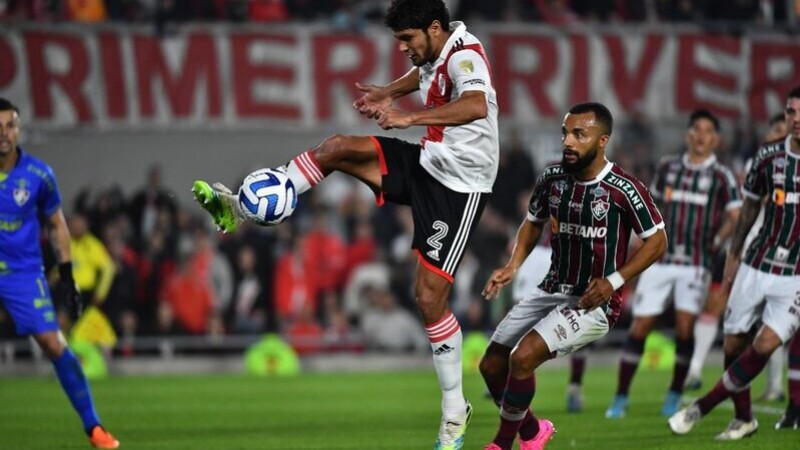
pixel 546 432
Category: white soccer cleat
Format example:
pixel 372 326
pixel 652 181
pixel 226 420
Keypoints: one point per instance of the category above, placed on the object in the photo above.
pixel 451 433
pixel 738 429
pixel 682 421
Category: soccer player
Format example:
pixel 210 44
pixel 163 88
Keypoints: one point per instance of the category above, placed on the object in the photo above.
pixel 700 201
pixel 767 279
pixel 592 206
pixel 705 329
pixel 28 190
pixel 446 179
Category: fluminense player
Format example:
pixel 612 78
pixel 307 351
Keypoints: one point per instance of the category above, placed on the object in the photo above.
pixel 705 329
pixel 592 207
pixel 767 279
pixel 446 179
pixel 700 200
pixel 28 189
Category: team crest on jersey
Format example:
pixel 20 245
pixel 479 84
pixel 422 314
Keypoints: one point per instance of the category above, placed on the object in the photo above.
pixel 21 193
pixel 466 66
pixel 599 209
pixel 561 185
pixel 671 177
pixel 704 183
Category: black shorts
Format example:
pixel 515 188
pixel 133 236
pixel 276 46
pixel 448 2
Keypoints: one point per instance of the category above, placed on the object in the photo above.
pixel 444 220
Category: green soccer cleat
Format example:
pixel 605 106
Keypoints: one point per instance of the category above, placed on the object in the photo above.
pixel 220 202
pixel 451 434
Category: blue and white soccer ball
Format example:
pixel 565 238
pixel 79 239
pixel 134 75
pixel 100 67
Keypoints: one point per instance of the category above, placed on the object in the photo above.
pixel 268 196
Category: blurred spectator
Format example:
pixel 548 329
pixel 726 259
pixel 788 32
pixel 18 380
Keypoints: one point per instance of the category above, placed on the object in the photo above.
pixel 248 315
pixel 388 327
pixel 294 288
pixel 515 174
pixel 211 265
pixel 268 11
pixel 93 267
pixel 304 332
pixel 361 249
pixel 373 275
pixel 121 304
pixel 186 303
pixel 88 11
pixel 324 257
pixel 147 203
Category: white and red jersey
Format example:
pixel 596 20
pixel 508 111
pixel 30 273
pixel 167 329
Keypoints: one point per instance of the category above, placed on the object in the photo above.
pixel 463 157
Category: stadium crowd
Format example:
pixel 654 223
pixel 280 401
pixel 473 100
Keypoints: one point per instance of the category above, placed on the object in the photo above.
pixel 354 13
pixel 340 268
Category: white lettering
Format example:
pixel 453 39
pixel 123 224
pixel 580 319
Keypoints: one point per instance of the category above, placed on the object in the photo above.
pixel 582 230
pixel 693 198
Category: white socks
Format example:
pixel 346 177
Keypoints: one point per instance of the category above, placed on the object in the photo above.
pixel 445 336
pixel 705 330
pixel 304 171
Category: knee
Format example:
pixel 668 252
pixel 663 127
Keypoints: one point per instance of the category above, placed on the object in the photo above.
pixel 734 345
pixel 493 366
pixel 522 362
pixel 333 150
pixel 766 342
pixel 430 301
pixel 51 345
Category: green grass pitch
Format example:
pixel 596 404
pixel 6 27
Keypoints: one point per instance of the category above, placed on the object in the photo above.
pixel 347 411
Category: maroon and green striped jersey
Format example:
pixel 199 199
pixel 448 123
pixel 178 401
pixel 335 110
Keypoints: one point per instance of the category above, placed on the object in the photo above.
pixel 776 173
pixel 591 224
pixel 694 199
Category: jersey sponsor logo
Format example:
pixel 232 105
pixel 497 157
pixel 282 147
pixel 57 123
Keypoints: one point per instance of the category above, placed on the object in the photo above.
pixel 582 230
pixel 629 190
pixel 571 316
pixel 781 197
pixel 466 66
pixel 599 192
pixel 577 206
pixel 6 225
pixel 599 209
pixel 779 178
pixel 680 196
pixel 474 82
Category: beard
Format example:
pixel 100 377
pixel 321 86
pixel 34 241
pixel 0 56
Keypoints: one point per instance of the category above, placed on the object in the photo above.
pixel 428 56
pixel 580 163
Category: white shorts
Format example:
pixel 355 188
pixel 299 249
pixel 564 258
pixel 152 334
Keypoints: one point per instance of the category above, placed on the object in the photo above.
pixel 563 328
pixel 688 284
pixel 773 298
pixel 531 272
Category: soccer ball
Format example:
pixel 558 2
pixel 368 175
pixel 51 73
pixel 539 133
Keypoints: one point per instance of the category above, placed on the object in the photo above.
pixel 267 196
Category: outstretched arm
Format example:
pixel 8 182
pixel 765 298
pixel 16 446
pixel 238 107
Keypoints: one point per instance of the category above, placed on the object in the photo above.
pixel 59 239
pixel 601 289
pixel 527 237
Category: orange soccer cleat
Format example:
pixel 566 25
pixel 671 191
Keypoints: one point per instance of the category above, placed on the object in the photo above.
pixel 101 438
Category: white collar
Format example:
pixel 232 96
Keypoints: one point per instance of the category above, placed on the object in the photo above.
pixel 599 177
pixel 698 166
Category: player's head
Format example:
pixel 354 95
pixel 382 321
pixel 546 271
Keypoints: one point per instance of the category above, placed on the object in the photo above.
pixel 776 128
pixel 420 26
pixel 9 127
pixel 702 136
pixel 585 133
pixel 792 113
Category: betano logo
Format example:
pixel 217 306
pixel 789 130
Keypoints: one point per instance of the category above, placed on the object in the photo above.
pixel 678 196
pixel 781 197
pixel 580 230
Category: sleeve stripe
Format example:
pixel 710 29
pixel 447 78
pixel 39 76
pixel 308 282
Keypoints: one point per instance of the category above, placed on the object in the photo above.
pixel 646 234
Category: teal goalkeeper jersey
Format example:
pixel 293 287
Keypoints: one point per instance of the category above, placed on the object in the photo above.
pixel 28 190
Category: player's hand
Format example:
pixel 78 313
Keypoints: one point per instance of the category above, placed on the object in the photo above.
pixel 729 274
pixel 598 292
pixel 373 102
pixel 394 118
pixel 500 278
pixel 71 296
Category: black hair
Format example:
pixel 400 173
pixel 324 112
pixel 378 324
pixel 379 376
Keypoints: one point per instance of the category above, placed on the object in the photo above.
pixel 6 105
pixel 601 114
pixel 416 14
pixel 777 118
pixel 794 93
pixel 698 114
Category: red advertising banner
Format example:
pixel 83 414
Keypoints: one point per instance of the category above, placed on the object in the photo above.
pixel 301 76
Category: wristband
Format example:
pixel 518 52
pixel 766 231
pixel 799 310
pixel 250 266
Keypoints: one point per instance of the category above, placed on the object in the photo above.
pixel 616 280
pixel 65 271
